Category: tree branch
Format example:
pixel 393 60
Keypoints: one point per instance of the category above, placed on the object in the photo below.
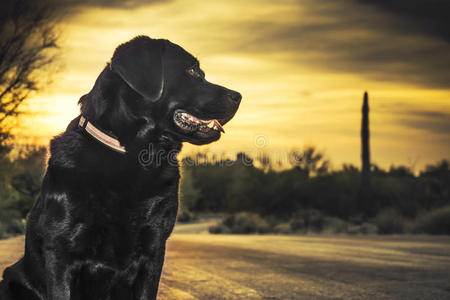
pixel 26 33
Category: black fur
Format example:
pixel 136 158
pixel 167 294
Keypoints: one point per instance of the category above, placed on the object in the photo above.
pixel 99 227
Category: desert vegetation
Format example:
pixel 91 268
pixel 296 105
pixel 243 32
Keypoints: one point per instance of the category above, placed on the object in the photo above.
pixel 21 172
pixel 256 197
pixel 311 198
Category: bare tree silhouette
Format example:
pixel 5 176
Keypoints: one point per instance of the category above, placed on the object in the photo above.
pixel 309 160
pixel 27 33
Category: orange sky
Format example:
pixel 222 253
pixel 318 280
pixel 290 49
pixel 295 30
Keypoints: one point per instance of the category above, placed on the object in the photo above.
pixel 301 66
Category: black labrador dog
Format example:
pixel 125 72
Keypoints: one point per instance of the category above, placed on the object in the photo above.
pixel 109 198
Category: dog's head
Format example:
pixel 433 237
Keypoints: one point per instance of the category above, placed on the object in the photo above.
pixel 174 95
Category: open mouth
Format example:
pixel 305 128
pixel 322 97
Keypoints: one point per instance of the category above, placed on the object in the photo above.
pixel 190 123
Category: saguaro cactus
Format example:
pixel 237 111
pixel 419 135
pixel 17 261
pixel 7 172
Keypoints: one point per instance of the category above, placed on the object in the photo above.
pixel 365 146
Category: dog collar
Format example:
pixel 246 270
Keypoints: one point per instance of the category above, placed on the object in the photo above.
pixel 101 136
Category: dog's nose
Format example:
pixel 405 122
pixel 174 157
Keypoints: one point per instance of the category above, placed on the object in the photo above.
pixel 234 97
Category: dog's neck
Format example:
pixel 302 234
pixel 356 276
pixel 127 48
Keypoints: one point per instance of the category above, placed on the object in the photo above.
pixel 104 138
pixel 107 107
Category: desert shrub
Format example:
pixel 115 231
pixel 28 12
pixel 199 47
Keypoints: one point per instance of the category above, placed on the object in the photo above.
pixel 242 223
pixel 3 233
pixel 248 223
pixel 434 222
pixel 353 229
pixel 20 178
pixel 10 223
pixel 186 216
pixel 364 228
pixel 298 224
pixel 390 222
pixel 232 186
pixel 219 229
pixel 16 227
pixel 368 228
pixel 308 220
pixel 284 228
pixel 335 194
pixel 335 225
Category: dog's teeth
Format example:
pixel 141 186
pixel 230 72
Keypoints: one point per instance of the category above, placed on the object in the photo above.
pixel 219 126
pixel 210 124
pixel 215 127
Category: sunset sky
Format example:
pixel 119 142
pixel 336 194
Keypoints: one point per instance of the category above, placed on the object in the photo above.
pixel 301 66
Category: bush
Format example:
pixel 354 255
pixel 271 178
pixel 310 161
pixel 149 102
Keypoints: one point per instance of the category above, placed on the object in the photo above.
pixel 335 225
pixel 308 220
pixel 186 216
pixel 365 228
pixel 434 222
pixel 368 228
pixel 3 233
pixel 219 229
pixel 283 228
pixel 242 223
pixel 20 180
pixel 390 222
pixel 11 228
pixel 16 227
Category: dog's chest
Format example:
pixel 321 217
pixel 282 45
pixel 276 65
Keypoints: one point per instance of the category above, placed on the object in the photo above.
pixel 116 247
pixel 118 229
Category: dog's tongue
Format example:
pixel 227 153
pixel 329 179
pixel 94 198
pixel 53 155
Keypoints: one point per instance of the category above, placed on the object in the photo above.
pixel 217 123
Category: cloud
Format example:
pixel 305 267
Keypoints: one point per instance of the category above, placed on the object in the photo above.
pixel 352 37
pixel 428 17
pixel 436 122
pixel 435 126
pixel 437 115
pixel 68 8
pixel 107 3
pixel 395 41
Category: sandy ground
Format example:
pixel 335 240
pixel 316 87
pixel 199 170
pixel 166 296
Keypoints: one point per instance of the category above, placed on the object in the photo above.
pixel 203 266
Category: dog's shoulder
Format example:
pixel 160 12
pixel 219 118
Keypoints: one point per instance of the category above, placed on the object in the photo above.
pixel 65 149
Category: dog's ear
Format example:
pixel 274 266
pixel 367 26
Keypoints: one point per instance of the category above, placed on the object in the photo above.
pixel 139 63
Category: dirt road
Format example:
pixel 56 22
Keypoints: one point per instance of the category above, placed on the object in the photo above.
pixel 201 266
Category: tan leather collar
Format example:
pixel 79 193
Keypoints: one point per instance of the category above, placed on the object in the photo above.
pixel 100 136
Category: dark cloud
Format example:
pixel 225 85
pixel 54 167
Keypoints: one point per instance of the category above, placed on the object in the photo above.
pixel 354 37
pixel 437 122
pixel 59 9
pixel 387 40
pixel 107 3
pixel 432 125
pixel 437 115
pixel 428 17
pixel 73 7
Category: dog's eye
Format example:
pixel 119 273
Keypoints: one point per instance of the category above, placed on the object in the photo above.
pixel 192 72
